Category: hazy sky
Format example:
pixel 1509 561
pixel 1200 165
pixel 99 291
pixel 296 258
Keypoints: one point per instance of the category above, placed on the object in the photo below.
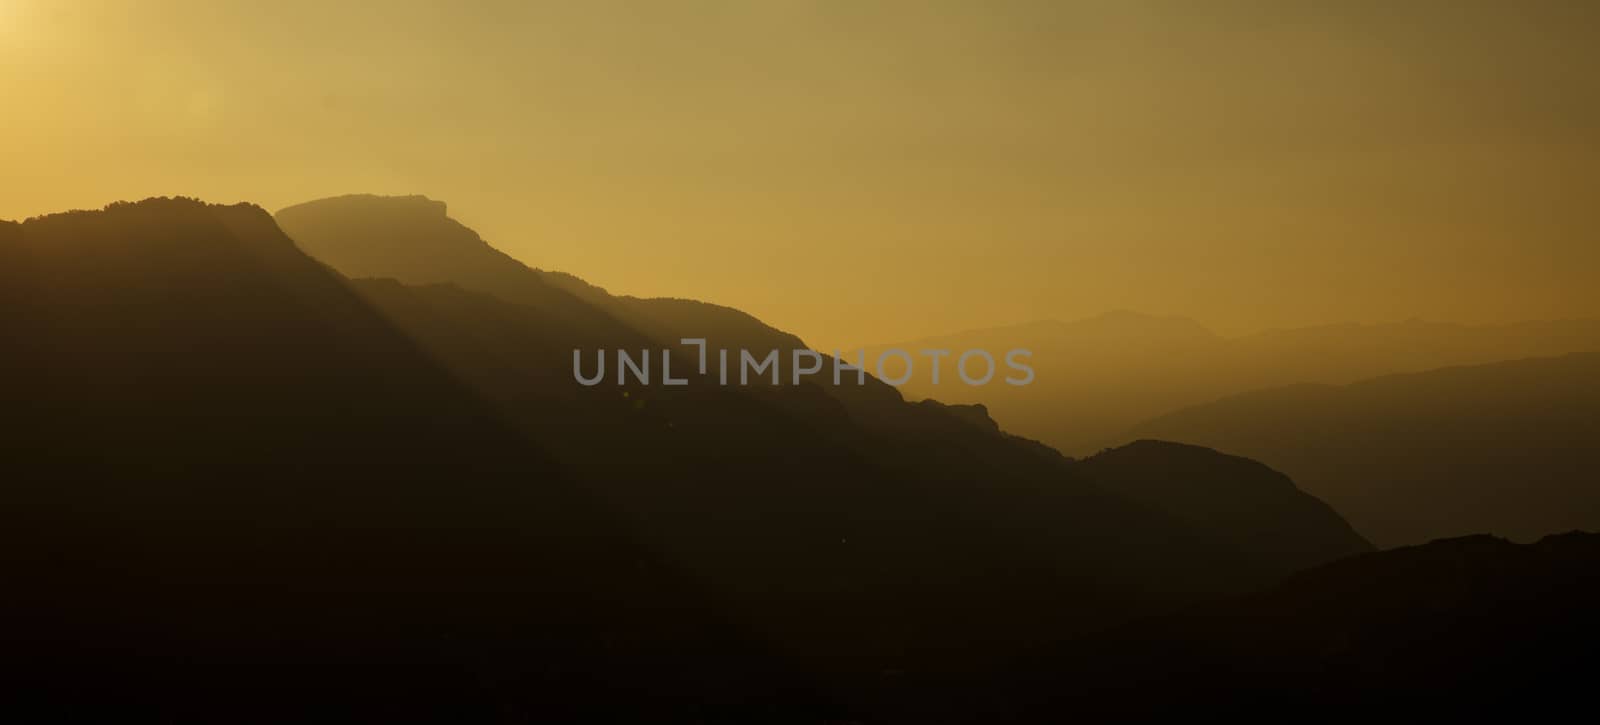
pixel 860 171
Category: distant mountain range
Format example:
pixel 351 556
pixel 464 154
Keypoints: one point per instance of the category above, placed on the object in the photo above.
pixel 1506 448
pixel 309 492
pixel 1414 431
pixel 1099 377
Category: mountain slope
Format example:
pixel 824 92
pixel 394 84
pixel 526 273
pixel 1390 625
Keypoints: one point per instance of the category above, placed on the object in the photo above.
pixel 819 523
pixel 1505 448
pixel 229 481
pixel 1257 508
pixel 398 237
pixel 411 239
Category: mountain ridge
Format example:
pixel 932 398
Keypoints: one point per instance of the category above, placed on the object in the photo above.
pixel 1112 380
pixel 1500 447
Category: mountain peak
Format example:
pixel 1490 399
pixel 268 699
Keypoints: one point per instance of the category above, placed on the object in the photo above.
pixel 179 227
pixel 408 204
pixel 412 239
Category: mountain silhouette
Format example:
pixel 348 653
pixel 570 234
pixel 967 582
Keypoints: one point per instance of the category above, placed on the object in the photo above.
pixel 411 239
pixel 1458 630
pixel 1257 508
pixel 1098 377
pixel 235 491
pixel 244 486
pixel 1505 448
pixel 356 230
pixel 239 477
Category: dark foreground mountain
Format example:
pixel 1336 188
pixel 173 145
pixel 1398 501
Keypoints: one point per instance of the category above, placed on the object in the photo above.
pixel 1255 507
pixel 241 487
pixel 1507 448
pixel 1474 629
pixel 235 493
pixel 1100 376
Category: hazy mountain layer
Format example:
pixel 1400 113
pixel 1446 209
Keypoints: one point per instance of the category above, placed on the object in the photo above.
pixel 1506 448
pixel 1098 377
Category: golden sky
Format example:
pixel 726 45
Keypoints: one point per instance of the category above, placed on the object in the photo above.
pixel 859 171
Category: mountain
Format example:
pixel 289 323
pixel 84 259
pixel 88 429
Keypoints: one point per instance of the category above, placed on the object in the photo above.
pixel 411 227
pixel 413 240
pixel 1098 377
pixel 356 229
pixel 1257 508
pixel 242 477
pixel 1458 630
pixel 234 491
pixel 1505 448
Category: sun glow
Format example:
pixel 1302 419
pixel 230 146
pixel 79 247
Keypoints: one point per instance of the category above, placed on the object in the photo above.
pixel 12 15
